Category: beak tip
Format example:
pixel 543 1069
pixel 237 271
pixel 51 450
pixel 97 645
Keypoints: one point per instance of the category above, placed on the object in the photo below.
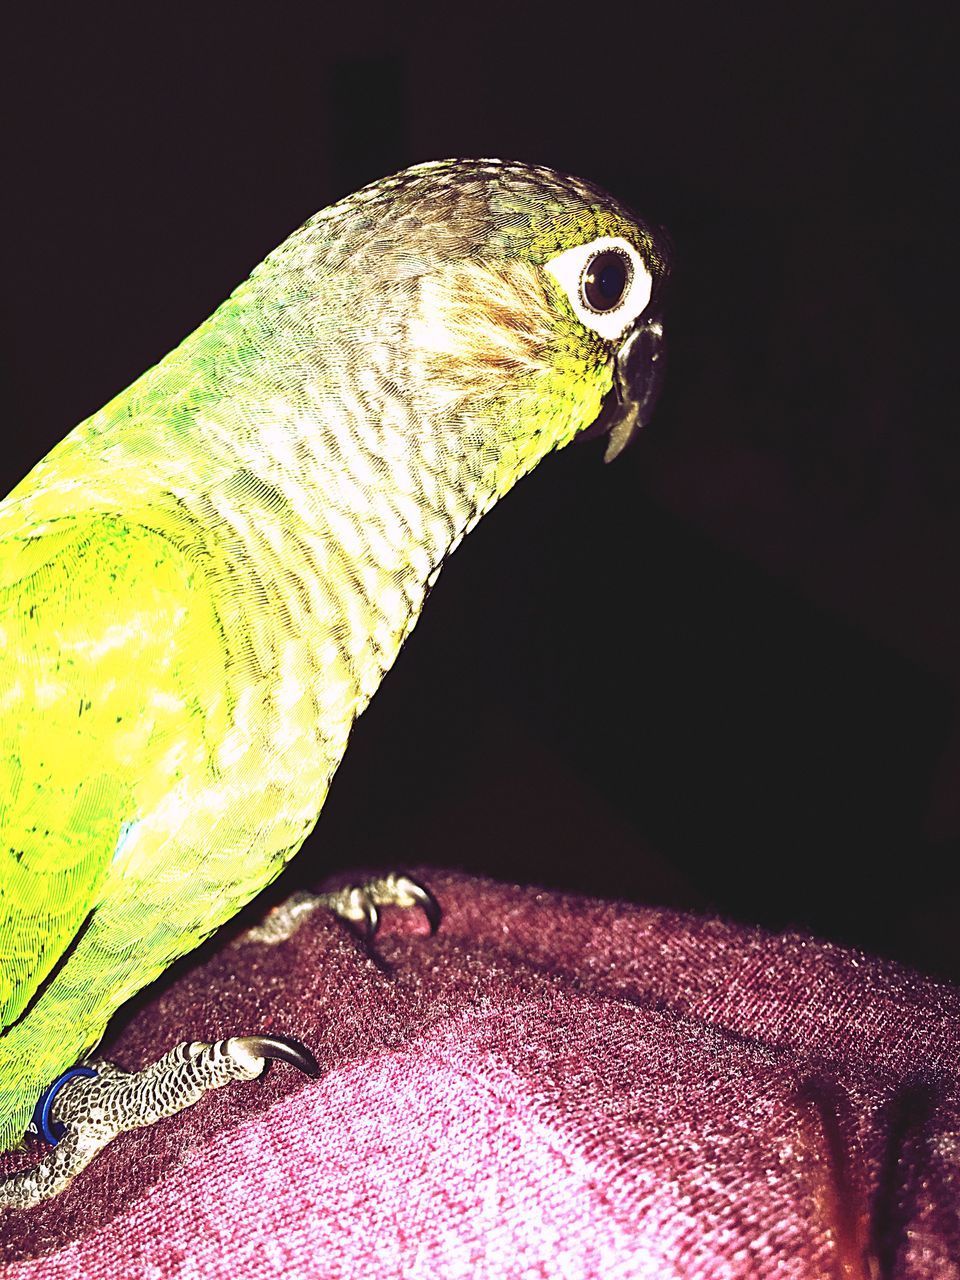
pixel 618 439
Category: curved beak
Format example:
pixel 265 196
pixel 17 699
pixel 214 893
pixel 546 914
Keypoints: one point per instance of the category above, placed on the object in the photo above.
pixel 637 377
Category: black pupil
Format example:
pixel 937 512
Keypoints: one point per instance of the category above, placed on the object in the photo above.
pixel 605 280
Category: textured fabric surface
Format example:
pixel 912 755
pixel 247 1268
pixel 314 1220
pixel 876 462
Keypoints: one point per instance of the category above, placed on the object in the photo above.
pixel 551 1086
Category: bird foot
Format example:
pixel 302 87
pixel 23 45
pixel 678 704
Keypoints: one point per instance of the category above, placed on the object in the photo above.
pixel 355 903
pixel 90 1105
pixel 361 903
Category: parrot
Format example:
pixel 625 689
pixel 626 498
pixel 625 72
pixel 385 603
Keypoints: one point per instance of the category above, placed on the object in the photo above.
pixel 204 583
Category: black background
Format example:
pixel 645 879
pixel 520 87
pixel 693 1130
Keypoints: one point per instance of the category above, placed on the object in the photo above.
pixel 721 673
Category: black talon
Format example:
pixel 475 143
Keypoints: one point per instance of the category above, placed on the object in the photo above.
pixel 284 1049
pixel 426 902
pixel 371 918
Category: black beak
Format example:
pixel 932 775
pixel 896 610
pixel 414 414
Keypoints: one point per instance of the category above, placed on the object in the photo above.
pixel 637 378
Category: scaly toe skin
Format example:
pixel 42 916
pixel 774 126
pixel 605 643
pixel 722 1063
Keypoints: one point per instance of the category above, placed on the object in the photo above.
pixel 91 1108
pixel 359 904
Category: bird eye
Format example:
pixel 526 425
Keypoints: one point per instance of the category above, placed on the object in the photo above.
pixel 607 283
pixel 605 279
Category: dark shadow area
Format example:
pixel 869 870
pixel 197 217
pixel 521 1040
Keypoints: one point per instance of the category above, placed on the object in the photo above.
pixel 776 759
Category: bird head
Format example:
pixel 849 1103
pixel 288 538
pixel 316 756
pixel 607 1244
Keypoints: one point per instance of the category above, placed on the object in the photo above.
pixel 497 308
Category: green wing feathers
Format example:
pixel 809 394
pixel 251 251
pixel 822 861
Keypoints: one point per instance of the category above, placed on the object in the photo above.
pixel 110 686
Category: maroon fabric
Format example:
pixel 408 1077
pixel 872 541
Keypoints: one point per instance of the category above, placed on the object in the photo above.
pixel 552 1086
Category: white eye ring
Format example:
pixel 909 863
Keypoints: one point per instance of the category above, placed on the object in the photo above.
pixel 571 270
